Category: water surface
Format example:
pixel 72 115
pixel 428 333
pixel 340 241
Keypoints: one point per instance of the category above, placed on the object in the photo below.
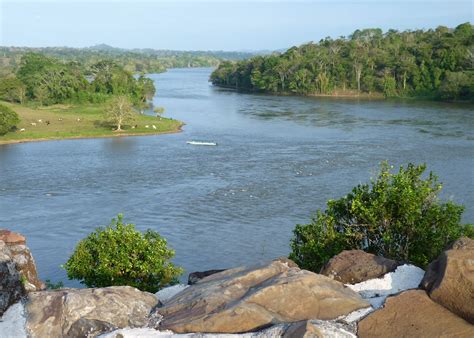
pixel 279 159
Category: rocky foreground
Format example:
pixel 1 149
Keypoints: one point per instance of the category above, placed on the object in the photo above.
pixel 356 294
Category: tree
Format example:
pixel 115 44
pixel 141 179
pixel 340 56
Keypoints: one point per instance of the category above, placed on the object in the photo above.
pixel 59 82
pixel 458 85
pixel 389 85
pixel 120 255
pixel 8 119
pixel 398 216
pixel 120 111
pixel 12 89
pixel 159 111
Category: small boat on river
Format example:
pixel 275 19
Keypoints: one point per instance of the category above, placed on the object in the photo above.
pixel 202 143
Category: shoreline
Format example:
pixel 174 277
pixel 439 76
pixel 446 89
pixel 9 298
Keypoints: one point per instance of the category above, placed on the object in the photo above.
pixel 349 96
pixel 127 134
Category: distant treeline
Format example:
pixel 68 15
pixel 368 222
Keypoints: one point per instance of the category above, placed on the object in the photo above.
pixel 436 63
pixel 45 80
pixel 134 61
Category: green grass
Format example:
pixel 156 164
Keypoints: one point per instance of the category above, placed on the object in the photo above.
pixel 78 121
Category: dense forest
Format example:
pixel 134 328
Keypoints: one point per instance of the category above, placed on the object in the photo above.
pixel 45 80
pixel 435 63
pixel 134 61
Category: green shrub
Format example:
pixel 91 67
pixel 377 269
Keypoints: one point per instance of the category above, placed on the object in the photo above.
pixel 8 119
pixel 398 216
pixel 120 255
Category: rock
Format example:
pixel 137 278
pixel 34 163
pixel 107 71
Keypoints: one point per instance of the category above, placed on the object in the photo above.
pixel 68 312
pixel 11 285
pixel 23 259
pixel 247 299
pixel 195 277
pixel 26 266
pixel 12 323
pixel 413 314
pixel 449 279
pixel 317 328
pixel 355 266
pixel 10 237
pixel 89 328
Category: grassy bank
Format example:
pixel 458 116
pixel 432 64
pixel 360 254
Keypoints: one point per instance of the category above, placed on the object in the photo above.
pixel 78 121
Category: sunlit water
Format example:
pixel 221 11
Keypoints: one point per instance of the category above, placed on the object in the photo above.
pixel 279 159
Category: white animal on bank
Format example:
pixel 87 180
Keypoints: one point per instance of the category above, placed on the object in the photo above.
pixel 78 120
pixel 22 129
pixel 40 121
pixel 33 123
pixel 154 127
pixel 147 126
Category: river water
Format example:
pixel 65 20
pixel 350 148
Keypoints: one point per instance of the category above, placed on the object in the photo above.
pixel 279 159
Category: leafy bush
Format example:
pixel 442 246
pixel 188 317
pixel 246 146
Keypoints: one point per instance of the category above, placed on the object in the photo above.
pixel 398 216
pixel 120 255
pixel 53 286
pixel 8 119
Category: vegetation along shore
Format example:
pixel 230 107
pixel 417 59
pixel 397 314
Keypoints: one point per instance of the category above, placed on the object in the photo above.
pixel 46 99
pixel 431 64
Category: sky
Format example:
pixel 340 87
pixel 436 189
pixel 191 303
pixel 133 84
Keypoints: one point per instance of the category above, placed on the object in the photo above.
pixel 215 24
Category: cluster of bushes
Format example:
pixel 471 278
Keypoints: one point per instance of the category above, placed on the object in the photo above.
pixel 432 63
pixel 46 81
pixel 398 216
pixel 120 255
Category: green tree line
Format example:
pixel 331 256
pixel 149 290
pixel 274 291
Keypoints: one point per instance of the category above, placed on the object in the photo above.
pixel 134 61
pixel 46 80
pixel 435 63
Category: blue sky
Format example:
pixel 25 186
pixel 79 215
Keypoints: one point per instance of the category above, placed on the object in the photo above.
pixel 212 25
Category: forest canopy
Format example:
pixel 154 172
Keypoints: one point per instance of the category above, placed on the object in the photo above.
pixel 436 63
pixel 46 80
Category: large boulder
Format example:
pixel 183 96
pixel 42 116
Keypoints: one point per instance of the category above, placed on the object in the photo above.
pixel 23 259
pixel 248 298
pixel 413 314
pixel 355 266
pixel 449 279
pixel 11 285
pixel 76 312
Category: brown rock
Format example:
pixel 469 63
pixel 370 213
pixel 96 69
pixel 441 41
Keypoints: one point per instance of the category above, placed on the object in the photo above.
pixel 23 259
pixel 355 266
pixel 10 237
pixel 413 314
pixel 246 299
pixel 449 279
pixel 60 313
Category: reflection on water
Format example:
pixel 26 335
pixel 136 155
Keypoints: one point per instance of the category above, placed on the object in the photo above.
pixel 279 159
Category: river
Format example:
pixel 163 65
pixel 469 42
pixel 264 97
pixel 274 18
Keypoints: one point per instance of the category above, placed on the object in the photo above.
pixel 278 160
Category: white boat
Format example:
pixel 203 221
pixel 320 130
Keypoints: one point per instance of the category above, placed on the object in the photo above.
pixel 201 143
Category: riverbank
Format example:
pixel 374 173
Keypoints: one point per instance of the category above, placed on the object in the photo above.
pixel 342 94
pixel 60 122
